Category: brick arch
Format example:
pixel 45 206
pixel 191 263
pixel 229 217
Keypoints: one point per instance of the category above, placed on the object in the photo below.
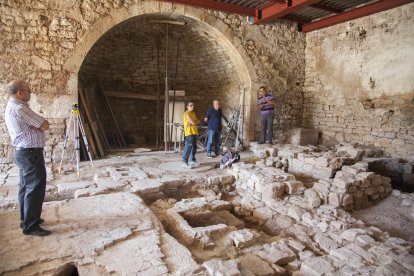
pixel 215 28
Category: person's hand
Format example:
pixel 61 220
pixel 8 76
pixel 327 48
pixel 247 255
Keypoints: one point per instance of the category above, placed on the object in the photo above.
pixel 44 126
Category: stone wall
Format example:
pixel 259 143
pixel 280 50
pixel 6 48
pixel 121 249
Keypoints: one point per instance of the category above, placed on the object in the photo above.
pixel 45 42
pixel 359 82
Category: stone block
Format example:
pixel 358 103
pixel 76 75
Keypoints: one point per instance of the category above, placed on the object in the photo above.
pixel 351 234
pixel 340 199
pixel 69 189
pixel 325 243
pixel 244 237
pixel 376 180
pixel 277 253
pixel 365 240
pixel 393 268
pixel 303 136
pixel 295 212
pixel 322 187
pixel 348 255
pixel 317 266
pixel 294 187
pixel 370 190
pixel 313 198
pixel 273 191
pixel 255 265
pixel 342 183
pixel 296 245
pixel 222 267
pixel 263 213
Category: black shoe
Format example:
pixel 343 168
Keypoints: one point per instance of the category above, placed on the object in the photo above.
pixel 37 231
pixel 260 143
pixel 40 222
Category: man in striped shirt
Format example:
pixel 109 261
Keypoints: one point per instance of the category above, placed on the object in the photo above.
pixel 26 129
pixel 266 103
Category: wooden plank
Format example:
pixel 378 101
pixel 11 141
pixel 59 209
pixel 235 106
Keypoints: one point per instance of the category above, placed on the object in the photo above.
pixel 121 137
pixel 91 140
pixel 90 119
pixel 140 96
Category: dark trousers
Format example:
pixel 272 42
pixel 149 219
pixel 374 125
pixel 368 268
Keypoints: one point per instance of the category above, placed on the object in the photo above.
pixel 213 137
pixel 266 128
pixel 190 148
pixel 32 185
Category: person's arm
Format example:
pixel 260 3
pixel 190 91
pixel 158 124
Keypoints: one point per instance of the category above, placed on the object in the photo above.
pixel 190 120
pixel 207 116
pixel 31 118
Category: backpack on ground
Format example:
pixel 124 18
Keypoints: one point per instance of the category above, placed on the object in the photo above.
pixel 229 158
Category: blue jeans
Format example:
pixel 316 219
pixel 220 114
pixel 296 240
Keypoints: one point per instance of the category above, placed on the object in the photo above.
pixel 190 148
pixel 213 137
pixel 32 185
pixel 266 131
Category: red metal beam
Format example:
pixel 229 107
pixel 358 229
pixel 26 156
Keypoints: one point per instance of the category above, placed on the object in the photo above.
pixel 369 9
pixel 214 5
pixel 279 10
pixel 326 8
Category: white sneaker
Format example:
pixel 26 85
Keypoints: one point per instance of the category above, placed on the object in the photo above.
pixel 186 166
pixel 194 163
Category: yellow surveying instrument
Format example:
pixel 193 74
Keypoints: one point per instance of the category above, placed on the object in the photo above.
pixel 75 122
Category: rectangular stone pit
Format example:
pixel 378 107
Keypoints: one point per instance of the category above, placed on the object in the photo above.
pixel 196 221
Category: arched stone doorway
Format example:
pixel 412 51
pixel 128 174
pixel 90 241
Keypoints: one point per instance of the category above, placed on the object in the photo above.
pixel 125 59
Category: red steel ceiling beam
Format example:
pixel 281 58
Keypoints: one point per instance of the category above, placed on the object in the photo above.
pixel 214 5
pixel 369 9
pixel 278 10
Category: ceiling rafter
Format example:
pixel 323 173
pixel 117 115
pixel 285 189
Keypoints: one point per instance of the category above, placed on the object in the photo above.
pixel 326 8
pixel 366 10
pixel 266 11
pixel 279 10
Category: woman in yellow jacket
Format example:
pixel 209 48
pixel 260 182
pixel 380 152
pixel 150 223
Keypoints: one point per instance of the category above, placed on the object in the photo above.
pixel 190 133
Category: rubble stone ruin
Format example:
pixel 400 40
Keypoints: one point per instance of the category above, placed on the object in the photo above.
pixel 332 195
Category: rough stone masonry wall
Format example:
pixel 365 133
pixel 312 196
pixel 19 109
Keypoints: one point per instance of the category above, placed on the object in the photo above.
pixel 359 82
pixel 39 37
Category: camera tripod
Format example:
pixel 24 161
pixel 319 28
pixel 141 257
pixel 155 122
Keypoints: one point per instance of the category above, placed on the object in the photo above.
pixel 75 121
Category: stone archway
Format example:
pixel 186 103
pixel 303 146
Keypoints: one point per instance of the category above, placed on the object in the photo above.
pixel 212 27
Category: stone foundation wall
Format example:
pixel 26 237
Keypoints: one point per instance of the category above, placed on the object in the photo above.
pixel 359 82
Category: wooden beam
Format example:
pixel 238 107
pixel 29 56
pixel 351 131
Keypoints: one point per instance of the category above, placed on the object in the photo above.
pixel 214 5
pixel 279 10
pixel 369 9
pixel 148 97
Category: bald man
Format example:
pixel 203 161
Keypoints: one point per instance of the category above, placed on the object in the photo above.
pixel 27 132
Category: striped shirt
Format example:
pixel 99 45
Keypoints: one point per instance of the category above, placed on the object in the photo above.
pixel 265 107
pixel 23 125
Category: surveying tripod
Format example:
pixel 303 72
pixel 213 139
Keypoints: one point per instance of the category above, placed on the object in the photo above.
pixel 75 118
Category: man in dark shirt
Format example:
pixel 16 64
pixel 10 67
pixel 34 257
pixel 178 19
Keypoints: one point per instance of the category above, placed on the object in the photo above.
pixel 266 103
pixel 213 118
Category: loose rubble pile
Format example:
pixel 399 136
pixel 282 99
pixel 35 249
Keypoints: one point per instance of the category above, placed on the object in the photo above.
pixel 140 215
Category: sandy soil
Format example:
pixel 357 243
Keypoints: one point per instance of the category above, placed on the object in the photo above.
pixel 389 215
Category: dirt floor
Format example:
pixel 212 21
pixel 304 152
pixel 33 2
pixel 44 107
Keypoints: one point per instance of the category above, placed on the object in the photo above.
pixel 389 215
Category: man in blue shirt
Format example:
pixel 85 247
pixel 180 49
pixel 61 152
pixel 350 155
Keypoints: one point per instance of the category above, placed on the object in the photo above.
pixel 213 118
